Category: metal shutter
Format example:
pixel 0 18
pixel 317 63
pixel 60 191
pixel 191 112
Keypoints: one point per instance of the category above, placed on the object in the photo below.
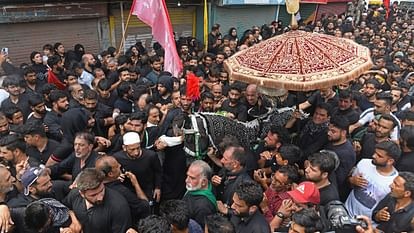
pixel 23 38
pixel 182 20
pixel 243 17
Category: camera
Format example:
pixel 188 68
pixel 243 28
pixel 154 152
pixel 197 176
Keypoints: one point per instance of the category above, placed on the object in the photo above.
pixel 339 218
pixel 5 51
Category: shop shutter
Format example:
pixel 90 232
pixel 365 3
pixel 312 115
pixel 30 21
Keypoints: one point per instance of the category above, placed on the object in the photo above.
pixel 23 38
pixel 181 19
pixel 243 17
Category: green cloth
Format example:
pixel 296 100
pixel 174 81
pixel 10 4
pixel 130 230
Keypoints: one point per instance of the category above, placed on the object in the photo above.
pixel 205 192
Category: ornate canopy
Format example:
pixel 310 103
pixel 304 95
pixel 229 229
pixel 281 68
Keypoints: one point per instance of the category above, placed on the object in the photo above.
pixel 300 61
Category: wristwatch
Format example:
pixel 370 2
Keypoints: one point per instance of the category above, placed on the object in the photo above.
pixel 280 215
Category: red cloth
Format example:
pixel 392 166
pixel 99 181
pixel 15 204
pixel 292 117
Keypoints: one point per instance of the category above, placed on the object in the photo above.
pixel 387 8
pixel 154 13
pixel 193 86
pixel 53 79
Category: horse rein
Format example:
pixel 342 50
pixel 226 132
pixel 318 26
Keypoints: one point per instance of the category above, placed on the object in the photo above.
pixel 195 130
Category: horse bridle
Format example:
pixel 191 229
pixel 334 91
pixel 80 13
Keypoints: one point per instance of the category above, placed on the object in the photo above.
pixel 199 155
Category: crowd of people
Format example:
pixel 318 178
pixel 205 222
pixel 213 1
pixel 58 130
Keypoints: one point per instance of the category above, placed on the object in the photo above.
pixel 94 143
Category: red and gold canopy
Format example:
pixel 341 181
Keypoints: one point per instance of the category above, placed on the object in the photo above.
pixel 300 61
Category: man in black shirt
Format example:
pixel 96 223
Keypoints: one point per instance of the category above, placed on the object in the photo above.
pixel 100 112
pixel 38 107
pixel 255 103
pixel 345 108
pixel 124 101
pixel 214 39
pixel 320 166
pixel 39 146
pixel 339 143
pixel 326 95
pixel 406 161
pixel 395 213
pixel 98 209
pixel 231 175
pixel 164 89
pixel 144 164
pixel 371 88
pixel 234 108
pixel 16 98
pixel 312 132
pixel 383 131
pixel 52 120
pixel 83 157
pixel 114 179
pixel 247 216
pixel 13 153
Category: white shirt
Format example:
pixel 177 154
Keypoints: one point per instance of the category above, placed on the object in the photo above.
pixel 362 201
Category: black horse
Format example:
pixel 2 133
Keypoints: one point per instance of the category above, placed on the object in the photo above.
pixel 202 130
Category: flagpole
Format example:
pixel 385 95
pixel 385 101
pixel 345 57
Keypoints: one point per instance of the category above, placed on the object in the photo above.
pixel 205 26
pixel 122 43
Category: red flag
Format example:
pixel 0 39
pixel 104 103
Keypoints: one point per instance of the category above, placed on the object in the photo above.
pixel 154 13
pixel 387 8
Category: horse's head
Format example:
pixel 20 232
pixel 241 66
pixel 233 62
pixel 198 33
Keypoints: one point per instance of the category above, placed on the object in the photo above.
pixel 196 141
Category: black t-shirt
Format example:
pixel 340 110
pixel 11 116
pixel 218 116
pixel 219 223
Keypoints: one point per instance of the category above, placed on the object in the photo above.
pixel 350 114
pixel 157 98
pixel 44 155
pixel 316 99
pixel 72 165
pixel 260 108
pixel 147 169
pixel 367 146
pixel 400 220
pixel 254 223
pixel 109 101
pixel 199 207
pixel 112 216
pixel 328 193
pixel 212 39
pixel 364 104
pixel 124 106
pixel 22 104
pixel 139 208
pixel 347 158
pixel 239 111
pixel 406 162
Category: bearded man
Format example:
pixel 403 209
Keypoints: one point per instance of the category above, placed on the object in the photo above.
pixel 199 197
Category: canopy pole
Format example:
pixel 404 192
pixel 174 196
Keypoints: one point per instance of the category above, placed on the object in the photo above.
pixel 277 13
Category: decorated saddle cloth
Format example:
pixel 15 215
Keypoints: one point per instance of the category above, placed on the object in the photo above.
pixel 219 126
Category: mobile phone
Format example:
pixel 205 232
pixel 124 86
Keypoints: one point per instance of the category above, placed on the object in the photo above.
pixel 5 51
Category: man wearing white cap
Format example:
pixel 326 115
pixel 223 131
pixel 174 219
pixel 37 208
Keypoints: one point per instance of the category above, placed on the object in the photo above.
pixel 143 163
